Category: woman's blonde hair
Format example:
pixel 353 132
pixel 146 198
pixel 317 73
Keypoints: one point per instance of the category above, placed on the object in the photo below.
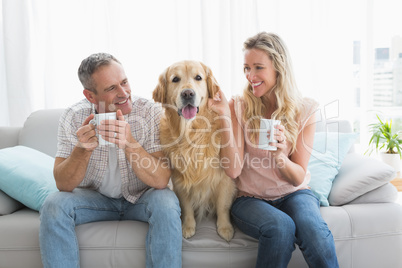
pixel 288 98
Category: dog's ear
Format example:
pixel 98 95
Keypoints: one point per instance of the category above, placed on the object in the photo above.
pixel 212 84
pixel 159 93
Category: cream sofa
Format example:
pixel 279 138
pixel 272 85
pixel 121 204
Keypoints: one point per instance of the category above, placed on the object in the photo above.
pixel 367 230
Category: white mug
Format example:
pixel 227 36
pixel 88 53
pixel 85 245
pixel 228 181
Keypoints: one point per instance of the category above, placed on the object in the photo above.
pixel 265 125
pixel 97 120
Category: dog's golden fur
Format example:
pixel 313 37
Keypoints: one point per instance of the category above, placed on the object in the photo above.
pixel 193 146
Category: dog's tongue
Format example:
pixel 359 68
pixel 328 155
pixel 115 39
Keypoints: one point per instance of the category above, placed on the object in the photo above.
pixel 189 111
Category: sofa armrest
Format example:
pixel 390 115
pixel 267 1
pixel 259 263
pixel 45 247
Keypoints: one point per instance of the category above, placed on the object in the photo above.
pixel 8 205
pixel 9 136
pixel 358 176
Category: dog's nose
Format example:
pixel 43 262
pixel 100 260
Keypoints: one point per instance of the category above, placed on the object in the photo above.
pixel 187 94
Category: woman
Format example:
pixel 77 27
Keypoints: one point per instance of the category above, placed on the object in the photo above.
pixel 274 204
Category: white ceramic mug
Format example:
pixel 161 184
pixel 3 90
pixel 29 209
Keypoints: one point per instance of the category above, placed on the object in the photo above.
pixel 97 120
pixel 265 125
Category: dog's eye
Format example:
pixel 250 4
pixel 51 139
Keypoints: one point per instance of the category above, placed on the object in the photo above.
pixel 175 79
pixel 198 78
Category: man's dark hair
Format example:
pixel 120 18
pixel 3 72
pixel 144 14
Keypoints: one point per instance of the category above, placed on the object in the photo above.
pixel 89 65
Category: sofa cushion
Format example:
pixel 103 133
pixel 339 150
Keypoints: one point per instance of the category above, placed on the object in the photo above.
pixel 9 136
pixel 383 194
pixel 358 176
pixel 99 241
pixel 326 158
pixel 26 175
pixel 8 205
pixel 40 131
pixel 19 243
pixel 366 235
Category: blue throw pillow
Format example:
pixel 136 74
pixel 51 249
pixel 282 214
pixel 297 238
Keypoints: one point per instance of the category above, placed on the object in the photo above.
pixel 329 150
pixel 26 175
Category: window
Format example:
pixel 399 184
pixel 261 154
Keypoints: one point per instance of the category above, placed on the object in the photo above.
pixel 346 54
pixel 377 66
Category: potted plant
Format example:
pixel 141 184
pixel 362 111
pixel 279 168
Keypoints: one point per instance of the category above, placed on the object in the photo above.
pixel 383 137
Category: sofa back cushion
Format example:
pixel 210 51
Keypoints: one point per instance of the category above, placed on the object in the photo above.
pixel 341 126
pixel 334 126
pixel 40 131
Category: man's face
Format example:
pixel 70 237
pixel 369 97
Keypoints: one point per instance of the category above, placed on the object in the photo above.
pixel 112 89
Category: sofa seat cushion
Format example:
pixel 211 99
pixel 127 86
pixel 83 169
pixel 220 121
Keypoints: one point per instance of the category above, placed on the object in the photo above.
pixel 112 243
pixel 207 249
pixel 19 239
pixel 357 229
pixel 99 241
pixel 362 228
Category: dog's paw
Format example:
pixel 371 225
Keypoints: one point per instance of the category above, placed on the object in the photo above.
pixel 188 231
pixel 188 224
pixel 226 232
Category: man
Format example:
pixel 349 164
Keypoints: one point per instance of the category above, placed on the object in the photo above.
pixel 123 181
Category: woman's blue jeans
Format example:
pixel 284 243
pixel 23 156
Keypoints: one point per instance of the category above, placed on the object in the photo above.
pixel 62 211
pixel 281 223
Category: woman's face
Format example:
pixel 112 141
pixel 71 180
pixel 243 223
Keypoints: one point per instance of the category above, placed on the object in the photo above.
pixel 259 71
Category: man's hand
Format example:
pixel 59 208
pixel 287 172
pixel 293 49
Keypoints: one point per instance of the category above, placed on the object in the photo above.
pixel 117 132
pixel 86 135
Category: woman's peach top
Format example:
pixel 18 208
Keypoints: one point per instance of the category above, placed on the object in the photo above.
pixel 260 177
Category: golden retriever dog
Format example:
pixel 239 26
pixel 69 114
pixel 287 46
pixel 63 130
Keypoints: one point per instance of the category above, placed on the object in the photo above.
pixel 189 133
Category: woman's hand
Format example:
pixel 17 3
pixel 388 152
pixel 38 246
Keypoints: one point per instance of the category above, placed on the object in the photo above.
pixel 280 136
pixel 219 104
pixel 280 155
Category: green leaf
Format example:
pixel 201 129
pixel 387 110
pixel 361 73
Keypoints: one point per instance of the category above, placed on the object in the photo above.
pixel 383 137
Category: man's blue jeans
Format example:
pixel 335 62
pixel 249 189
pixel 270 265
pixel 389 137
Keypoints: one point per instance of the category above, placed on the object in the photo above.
pixel 62 211
pixel 281 223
